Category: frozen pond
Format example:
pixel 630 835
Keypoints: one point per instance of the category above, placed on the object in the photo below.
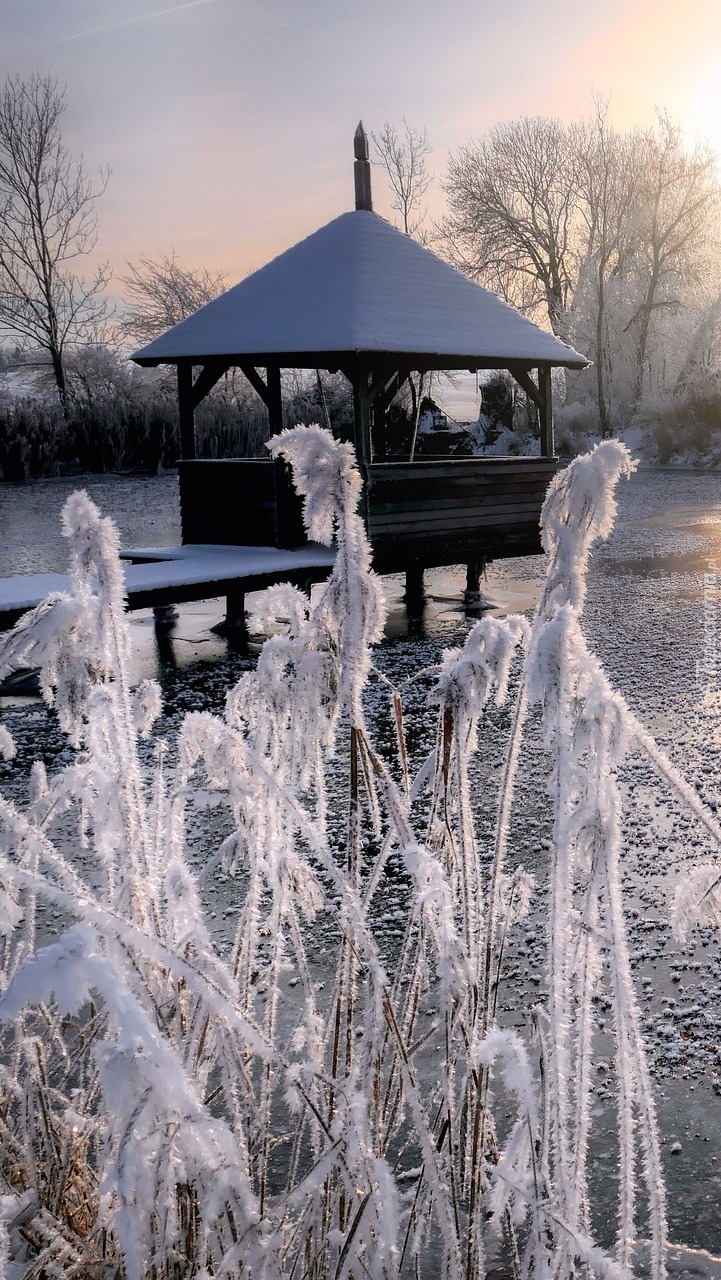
pixel 654 618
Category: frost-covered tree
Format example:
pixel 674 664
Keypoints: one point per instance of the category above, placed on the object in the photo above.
pixel 404 157
pixel 48 222
pixel 161 293
pixel 605 235
pixel 679 197
pixel 512 201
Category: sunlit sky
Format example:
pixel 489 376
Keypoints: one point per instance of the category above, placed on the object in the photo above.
pixel 228 124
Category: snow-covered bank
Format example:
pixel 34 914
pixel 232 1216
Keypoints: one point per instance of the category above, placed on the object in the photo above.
pixel 653 443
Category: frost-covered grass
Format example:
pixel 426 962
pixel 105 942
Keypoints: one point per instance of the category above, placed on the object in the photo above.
pixel 173 1107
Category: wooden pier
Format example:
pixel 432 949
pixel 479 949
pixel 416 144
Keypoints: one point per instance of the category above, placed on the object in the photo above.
pixel 157 577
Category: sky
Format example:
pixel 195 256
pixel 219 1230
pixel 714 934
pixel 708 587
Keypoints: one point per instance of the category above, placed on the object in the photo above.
pixel 228 124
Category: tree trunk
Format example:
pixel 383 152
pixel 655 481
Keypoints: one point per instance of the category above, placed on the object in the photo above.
pixel 59 372
pixel 644 330
pixel 600 357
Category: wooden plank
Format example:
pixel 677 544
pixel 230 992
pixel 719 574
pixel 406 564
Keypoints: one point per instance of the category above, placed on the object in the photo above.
pixel 428 489
pixel 431 523
pixel 457 504
pixel 393 555
pixel 435 495
pixel 459 522
pixel 407 473
pixel 467 479
pixel 397 497
pixel 470 466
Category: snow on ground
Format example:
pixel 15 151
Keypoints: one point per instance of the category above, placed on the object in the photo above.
pixel 653 615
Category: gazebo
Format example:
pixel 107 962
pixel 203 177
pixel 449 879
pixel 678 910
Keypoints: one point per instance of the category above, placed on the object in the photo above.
pixel 360 297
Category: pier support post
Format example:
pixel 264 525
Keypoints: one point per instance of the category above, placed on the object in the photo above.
pixel 235 610
pixel 165 615
pixel 474 601
pixel 234 625
pixel 415 592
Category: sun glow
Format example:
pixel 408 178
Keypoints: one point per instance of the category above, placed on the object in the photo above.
pixel 703 118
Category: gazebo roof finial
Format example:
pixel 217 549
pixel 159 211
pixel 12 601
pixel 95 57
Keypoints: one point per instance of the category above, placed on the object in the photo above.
pixel 362 170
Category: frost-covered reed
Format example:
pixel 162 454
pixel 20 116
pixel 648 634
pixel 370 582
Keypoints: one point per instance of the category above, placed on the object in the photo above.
pixel 170 1108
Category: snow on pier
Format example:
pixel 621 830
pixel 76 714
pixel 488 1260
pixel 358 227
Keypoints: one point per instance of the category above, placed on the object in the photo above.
pixel 159 576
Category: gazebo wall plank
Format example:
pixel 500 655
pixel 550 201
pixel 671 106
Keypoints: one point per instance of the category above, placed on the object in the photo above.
pixel 419 521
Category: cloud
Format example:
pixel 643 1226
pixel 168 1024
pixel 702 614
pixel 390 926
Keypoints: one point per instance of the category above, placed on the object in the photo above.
pixel 124 22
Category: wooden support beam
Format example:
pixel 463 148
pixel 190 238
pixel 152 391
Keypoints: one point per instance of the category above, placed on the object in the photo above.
pixel 235 610
pixel 526 383
pixel 392 387
pixel 207 378
pixel 379 380
pixel 362 407
pixel 255 381
pixel 165 615
pixel 234 627
pixel 186 409
pixel 382 390
pixel 545 413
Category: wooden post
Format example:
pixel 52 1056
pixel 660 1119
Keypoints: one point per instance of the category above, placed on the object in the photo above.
pixel 235 610
pixel 548 446
pixel 186 412
pixel 473 599
pixel 233 625
pixel 384 386
pixel 362 404
pixel 289 531
pixel 275 399
pixel 165 615
pixel 415 592
pixel 378 429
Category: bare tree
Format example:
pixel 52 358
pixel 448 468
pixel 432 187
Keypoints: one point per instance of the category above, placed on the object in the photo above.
pixel 47 222
pixel 162 293
pixel 513 199
pixel 404 158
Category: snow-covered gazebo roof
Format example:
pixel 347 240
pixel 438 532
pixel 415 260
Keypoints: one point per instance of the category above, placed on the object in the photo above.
pixel 358 285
